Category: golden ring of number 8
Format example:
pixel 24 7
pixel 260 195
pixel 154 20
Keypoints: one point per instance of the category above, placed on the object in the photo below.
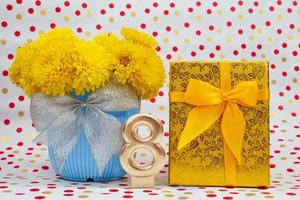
pixel 142 176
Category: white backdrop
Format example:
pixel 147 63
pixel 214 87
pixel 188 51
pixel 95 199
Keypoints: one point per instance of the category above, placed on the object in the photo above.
pixel 185 30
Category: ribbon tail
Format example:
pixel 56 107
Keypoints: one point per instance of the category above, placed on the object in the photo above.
pixel 103 133
pixel 199 120
pixel 61 135
pixel 233 129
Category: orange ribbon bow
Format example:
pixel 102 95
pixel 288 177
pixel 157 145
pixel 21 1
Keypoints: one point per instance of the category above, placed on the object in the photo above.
pixel 210 104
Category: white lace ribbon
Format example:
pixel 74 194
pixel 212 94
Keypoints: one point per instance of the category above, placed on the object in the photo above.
pixel 61 119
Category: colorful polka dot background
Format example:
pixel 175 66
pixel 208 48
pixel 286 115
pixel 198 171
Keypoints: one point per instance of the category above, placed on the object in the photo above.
pixel 186 30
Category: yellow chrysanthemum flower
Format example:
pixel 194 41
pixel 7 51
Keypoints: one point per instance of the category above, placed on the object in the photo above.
pixel 19 71
pixel 93 68
pixel 58 63
pixel 140 67
pixel 107 40
pixel 138 37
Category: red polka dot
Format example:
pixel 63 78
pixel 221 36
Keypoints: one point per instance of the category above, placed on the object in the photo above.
pixel 211 195
pixel 111 5
pixel 9 7
pixel 98 26
pixel 84 5
pixel 5 73
pixel 113 190
pixel 4 24
pixel 19 130
pixel 152 100
pixel 45 167
pixel 102 12
pixel 6 121
pixel 128 6
pixel 39 197
pixel 77 12
pixel 34 190
pixel 67 3
pixel 21 98
pixel 38 3
pixel 19 1
pixel 32 28
pixel 57 9
pixel 20 144
pixel 127 196
pixel 30 10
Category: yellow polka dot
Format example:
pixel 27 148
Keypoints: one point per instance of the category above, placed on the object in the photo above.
pixel 46 192
pixel 4 138
pixel 279 17
pixel 198 18
pixel 4 90
pixel 15 151
pixel 261 12
pixel 66 18
pixel 295 80
pixel 89 14
pixel 111 20
pixel 250 194
pixel 269 39
pixel 3 41
pixel 283 158
pixel 219 31
pixel 241 17
pixel 161 108
pixel 283 130
pixel 177 13
pixel 165 40
pixel 284 121
pixel 251 38
pixel 219 13
pixel 269 197
pixel 290 37
pixel 37 155
pixel 20 159
pixel 179 58
pixel 209 39
pixel 229 40
pixel 187 193
pixel 18 16
pixel 166 191
pixel 29 40
pixel 273 82
pixel 155 18
pixel 6 191
pixel 298 30
pixel 259 30
pixel 186 40
pixel 43 12
pixel 176 32
pixel 298 12
pixel 283 59
pixel 41 32
pixel 30 136
pixel 222 56
pixel 83 196
pixel 43 148
pixel 132 14
pixel 168 195
pixel 87 191
pixel 263 55
pixel 290 101
pixel 32 161
pixel 282 145
pixel 24 170
pixel 183 197
pixel 20 113
pixel 88 34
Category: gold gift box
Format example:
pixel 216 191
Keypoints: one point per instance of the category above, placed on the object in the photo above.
pixel 201 162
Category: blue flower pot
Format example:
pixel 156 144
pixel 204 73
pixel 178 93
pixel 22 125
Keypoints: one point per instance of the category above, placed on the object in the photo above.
pixel 80 164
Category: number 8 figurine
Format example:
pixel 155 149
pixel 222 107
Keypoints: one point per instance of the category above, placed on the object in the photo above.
pixel 142 176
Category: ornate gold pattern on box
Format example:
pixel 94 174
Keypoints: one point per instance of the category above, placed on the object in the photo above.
pixel 202 161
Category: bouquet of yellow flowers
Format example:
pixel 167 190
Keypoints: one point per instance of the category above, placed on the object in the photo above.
pixel 83 91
